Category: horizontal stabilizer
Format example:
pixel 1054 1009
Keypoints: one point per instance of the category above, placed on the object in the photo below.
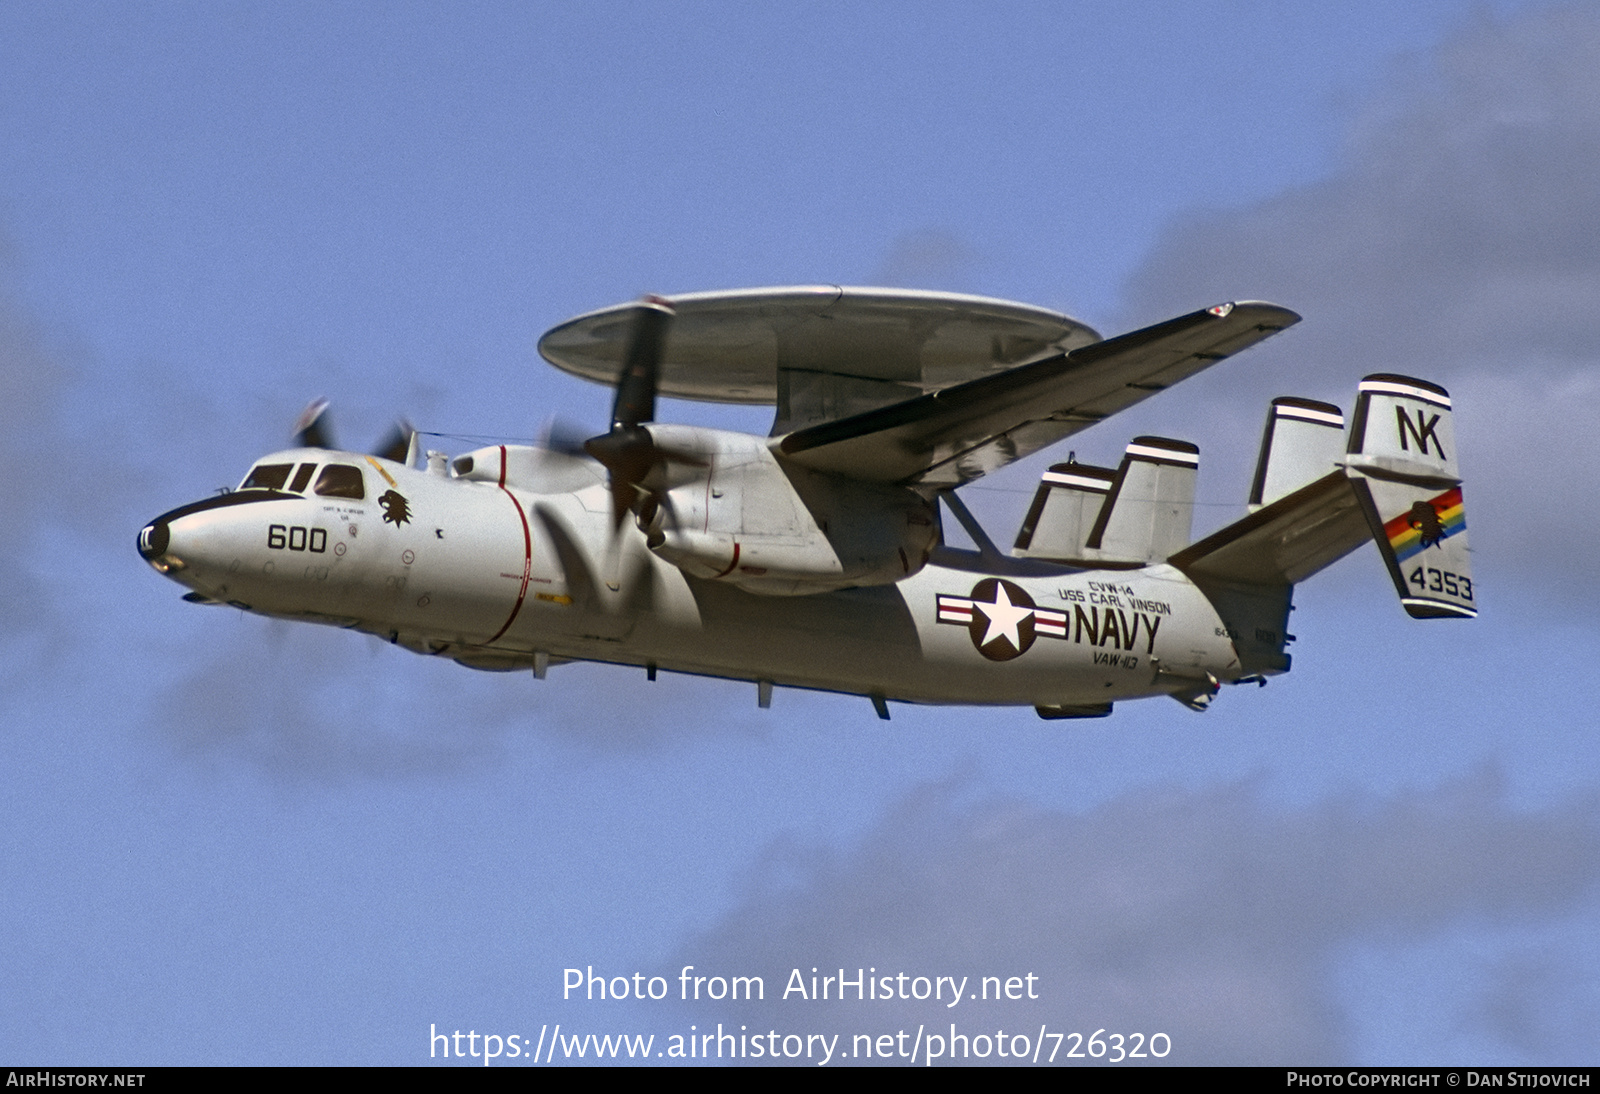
pixel 1285 542
pixel 1248 569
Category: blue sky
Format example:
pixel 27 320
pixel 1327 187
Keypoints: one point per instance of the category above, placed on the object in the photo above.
pixel 229 840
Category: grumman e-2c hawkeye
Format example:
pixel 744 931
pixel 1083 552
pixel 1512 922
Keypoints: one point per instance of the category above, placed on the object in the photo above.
pixel 814 557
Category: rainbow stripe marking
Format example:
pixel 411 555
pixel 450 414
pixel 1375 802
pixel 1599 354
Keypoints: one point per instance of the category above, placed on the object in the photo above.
pixel 1405 534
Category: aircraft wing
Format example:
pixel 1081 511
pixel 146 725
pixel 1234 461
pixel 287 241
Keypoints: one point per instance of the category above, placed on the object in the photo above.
pixel 950 437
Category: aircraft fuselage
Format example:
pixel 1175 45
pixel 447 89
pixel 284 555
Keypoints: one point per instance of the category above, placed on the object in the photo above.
pixel 498 576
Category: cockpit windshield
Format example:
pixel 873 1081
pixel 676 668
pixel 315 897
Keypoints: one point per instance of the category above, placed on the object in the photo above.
pixel 267 476
pixel 341 480
pixel 275 476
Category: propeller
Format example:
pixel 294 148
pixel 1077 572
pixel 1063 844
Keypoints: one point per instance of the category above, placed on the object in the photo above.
pixel 628 452
pixel 399 444
pixel 314 429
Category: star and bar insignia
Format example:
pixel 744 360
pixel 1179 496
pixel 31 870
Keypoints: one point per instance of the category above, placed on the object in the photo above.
pixel 1001 618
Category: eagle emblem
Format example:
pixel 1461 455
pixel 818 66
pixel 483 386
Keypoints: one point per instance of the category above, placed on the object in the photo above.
pixel 396 510
pixel 1425 519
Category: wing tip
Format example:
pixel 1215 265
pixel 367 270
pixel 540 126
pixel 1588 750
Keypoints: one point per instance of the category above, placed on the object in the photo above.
pixel 1264 312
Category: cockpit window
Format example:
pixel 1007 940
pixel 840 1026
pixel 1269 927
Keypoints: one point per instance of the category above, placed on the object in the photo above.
pixel 302 476
pixel 340 480
pixel 267 476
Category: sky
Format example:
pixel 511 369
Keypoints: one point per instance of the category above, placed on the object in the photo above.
pixel 229 840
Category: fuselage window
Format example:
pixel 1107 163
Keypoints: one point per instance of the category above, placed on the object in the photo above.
pixel 301 477
pixel 340 480
pixel 267 476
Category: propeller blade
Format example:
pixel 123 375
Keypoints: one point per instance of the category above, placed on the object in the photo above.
pixel 641 364
pixel 396 444
pixel 657 515
pixel 312 429
pixel 627 451
pixel 628 454
pixel 564 436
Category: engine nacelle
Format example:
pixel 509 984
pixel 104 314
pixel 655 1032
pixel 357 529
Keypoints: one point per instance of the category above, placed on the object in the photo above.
pixel 746 518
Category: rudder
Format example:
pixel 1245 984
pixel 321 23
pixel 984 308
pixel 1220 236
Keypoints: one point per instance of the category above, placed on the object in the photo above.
pixel 1401 459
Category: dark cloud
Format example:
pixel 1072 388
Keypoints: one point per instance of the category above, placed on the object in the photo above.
pixel 308 703
pixel 1459 222
pixel 1537 1007
pixel 929 258
pixel 1207 915
pixel 1458 239
pixel 303 702
pixel 37 466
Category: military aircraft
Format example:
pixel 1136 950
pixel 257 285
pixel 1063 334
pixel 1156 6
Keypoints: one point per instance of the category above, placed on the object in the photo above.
pixel 815 557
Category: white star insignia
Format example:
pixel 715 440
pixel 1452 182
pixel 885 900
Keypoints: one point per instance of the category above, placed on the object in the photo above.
pixel 1004 618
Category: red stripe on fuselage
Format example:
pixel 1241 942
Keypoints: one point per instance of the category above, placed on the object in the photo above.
pixel 732 564
pixel 527 553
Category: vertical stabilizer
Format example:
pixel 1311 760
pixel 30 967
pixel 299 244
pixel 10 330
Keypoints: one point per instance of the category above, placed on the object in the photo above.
pixel 1302 442
pixel 1149 512
pixel 1402 461
pixel 1063 512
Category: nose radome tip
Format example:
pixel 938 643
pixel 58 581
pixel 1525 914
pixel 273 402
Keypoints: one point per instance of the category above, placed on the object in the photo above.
pixel 153 540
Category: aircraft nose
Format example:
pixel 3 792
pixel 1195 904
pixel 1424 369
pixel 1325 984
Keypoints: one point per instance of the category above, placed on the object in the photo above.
pixel 155 546
pixel 154 538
